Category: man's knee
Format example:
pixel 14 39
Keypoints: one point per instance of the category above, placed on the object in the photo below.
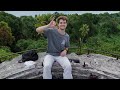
pixel 47 57
pixel 47 61
pixel 47 67
pixel 68 67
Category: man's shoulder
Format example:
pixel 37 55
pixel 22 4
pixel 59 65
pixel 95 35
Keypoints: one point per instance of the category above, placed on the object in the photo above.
pixel 53 29
pixel 67 35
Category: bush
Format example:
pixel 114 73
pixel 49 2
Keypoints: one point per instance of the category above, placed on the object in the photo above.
pixel 23 44
pixel 7 49
pixel 31 44
pixel 5 55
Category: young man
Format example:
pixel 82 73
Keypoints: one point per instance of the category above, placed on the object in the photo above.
pixel 58 44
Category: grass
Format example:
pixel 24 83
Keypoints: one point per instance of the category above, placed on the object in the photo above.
pixel 4 55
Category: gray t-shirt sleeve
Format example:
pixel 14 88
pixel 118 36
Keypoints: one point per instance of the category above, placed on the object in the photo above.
pixel 46 32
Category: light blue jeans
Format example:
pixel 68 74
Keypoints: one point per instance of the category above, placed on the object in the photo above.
pixel 63 61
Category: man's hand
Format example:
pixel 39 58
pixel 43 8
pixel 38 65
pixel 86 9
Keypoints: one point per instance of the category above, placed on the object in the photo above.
pixel 63 53
pixel 52 24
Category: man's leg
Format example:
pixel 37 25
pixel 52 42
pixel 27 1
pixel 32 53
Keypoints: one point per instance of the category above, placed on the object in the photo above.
pixel 47 63
pixel 65 63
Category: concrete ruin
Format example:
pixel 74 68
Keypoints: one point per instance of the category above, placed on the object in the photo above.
pixel 92 66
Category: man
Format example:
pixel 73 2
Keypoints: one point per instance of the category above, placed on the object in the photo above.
pixel 58 44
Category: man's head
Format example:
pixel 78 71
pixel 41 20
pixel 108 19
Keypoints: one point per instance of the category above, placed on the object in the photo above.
pixel 62 22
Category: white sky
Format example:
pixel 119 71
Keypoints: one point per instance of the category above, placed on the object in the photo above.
pixel 33 13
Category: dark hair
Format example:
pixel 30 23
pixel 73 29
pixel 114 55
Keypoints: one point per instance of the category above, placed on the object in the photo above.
pixel 61 17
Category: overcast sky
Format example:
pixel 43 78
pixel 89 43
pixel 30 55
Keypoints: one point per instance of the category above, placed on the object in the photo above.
pixel 33 13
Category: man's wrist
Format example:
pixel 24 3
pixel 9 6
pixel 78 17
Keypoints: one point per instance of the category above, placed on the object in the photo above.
pixel 66 49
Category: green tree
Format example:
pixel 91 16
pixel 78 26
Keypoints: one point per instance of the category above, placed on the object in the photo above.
pixel 91 20
pixel 73 27
pixel 6 38
pixel 43 19
pixel 28 27
pixel 83 32
pixel 14 23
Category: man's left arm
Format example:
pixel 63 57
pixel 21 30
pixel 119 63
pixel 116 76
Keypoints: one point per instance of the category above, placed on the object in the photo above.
pixel 67 44
pixel 65 51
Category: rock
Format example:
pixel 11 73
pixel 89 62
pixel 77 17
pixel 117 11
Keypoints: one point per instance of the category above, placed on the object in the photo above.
pixel 93 66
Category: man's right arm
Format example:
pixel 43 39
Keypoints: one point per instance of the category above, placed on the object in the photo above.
pixel 42 28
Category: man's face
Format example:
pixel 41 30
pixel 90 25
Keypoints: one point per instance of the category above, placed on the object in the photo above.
pixel 62 24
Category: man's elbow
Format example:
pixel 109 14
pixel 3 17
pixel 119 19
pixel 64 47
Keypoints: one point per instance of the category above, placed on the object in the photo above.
pixel 37 30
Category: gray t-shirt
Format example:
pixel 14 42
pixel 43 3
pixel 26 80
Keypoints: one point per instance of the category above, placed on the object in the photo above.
pixel 56 41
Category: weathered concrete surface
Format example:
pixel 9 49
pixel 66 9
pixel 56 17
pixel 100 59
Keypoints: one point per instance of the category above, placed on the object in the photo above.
pixel 91 66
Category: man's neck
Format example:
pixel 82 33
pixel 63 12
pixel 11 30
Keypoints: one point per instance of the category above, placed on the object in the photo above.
pixel 62 32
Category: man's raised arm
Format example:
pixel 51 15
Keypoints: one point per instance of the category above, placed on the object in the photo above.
pixel 42 28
